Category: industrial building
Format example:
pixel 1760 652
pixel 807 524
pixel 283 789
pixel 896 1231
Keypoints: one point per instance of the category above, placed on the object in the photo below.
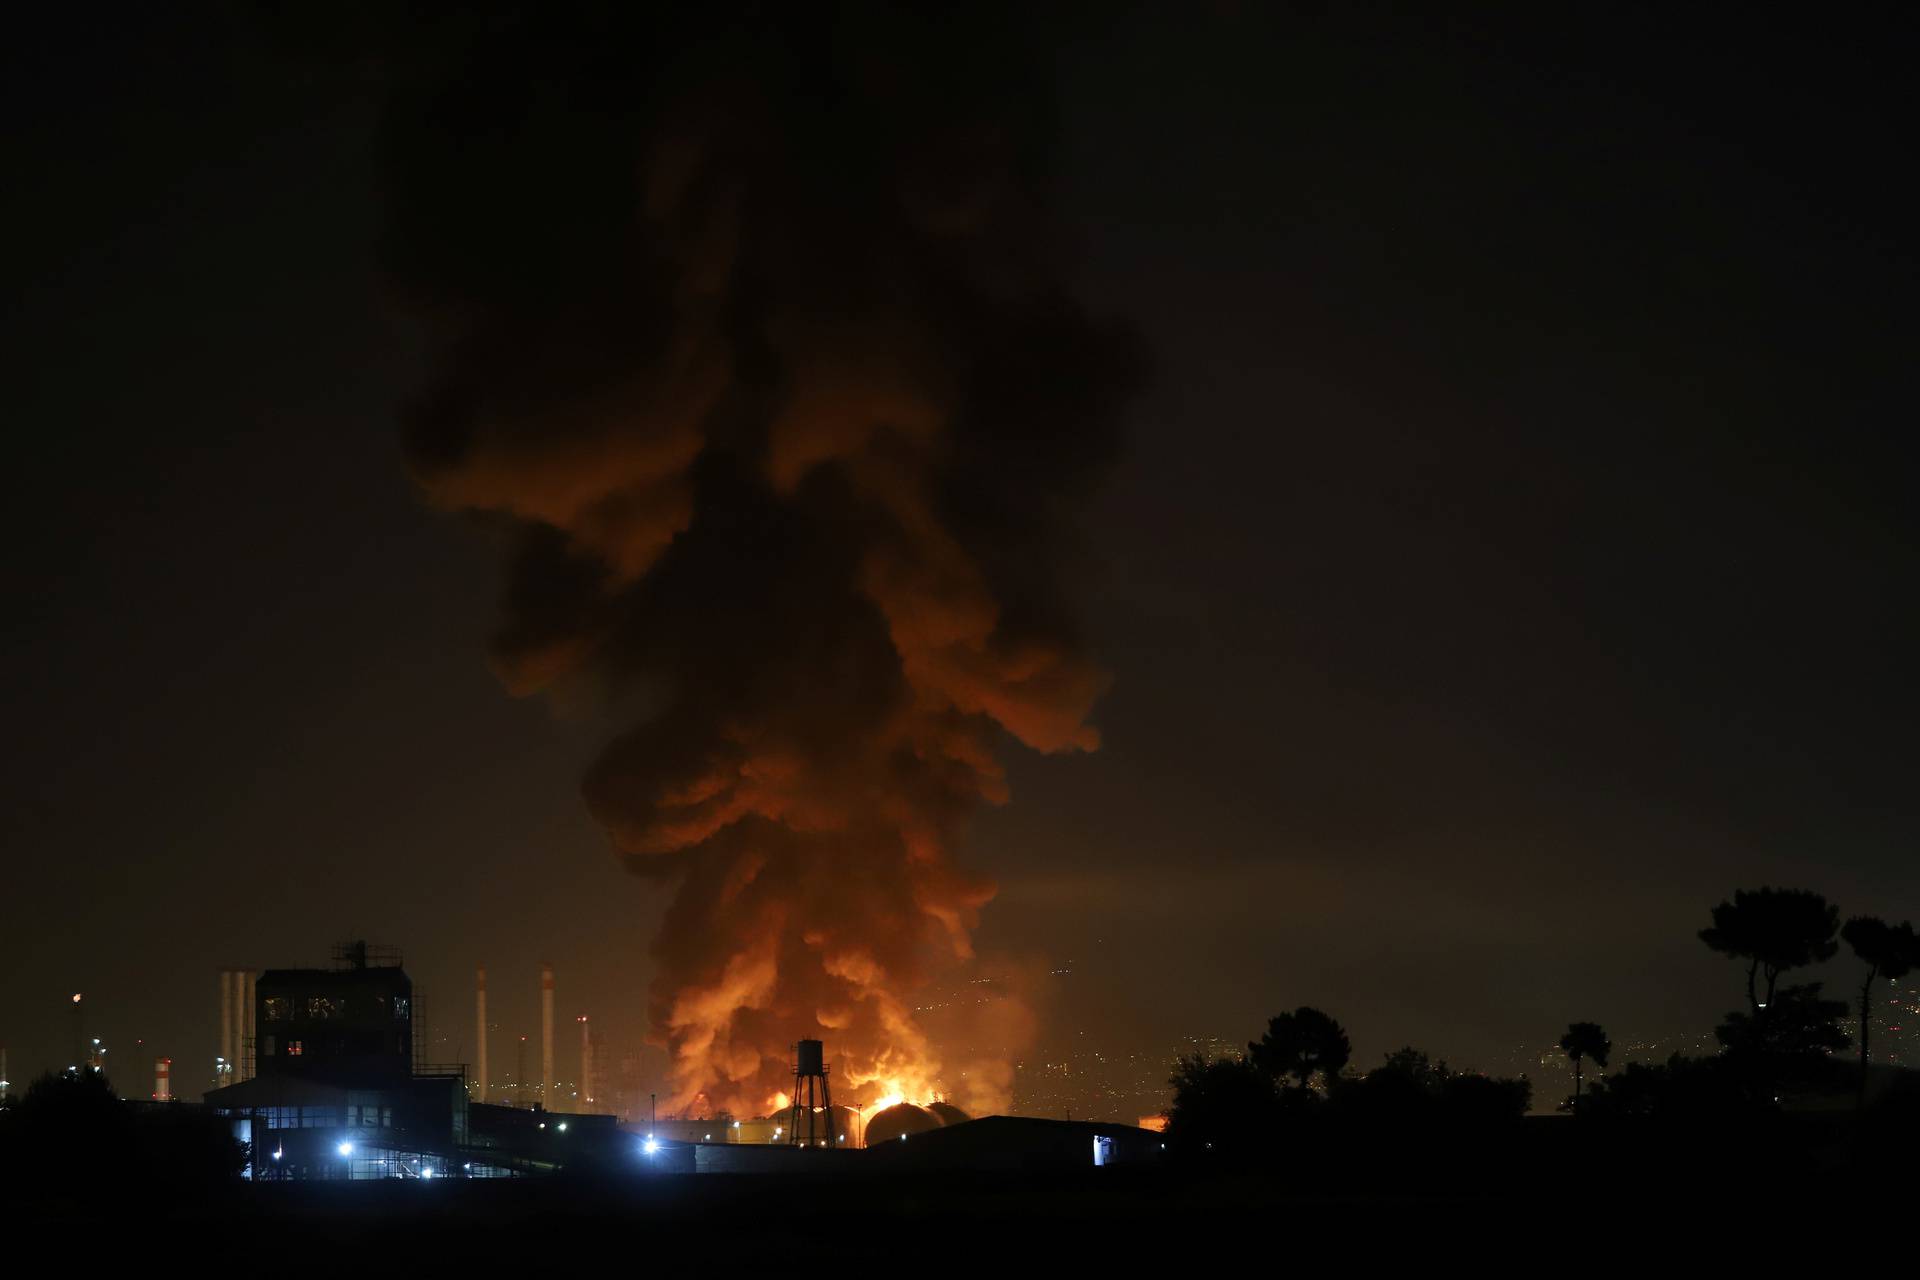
pixel 328 1083
pixel 329 1086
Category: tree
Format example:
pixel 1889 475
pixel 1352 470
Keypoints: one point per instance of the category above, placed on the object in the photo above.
pixel 1588 1041
pixel 1410 1088
pixel 1226 1104
pixel 1889 951
pixel 1301 1044
pixel 1773 930
pixel 1680 1090
pixel 1789 1042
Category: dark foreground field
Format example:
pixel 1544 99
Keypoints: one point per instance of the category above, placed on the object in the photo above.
pixel 1633 1201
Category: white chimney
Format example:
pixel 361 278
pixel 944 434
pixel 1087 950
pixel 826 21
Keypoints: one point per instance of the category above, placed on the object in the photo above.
pixel 546 1036
pixel 480 1016
pixel 226 1027
pixel 586 1064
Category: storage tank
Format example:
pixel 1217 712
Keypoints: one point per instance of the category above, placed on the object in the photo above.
pixel 898 1121
pixel 948 1113
pixel 810 1058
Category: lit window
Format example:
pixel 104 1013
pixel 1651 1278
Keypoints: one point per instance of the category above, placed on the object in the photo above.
pixel 293 1048
pixel 277 1008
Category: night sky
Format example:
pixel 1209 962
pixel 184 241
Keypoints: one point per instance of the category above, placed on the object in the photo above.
pixel 1512 552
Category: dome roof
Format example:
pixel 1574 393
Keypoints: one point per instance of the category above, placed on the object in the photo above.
pixel 948 1113
pixel 898 1121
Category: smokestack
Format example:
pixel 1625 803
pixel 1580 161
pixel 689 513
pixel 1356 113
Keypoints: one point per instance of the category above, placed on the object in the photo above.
pixel 586 1064
pixel 546 1036
pixel 520 1074
pixel 247 979
pixel 163 1079
pixel 224 1067
pixel 6 1085
pixel 480 1016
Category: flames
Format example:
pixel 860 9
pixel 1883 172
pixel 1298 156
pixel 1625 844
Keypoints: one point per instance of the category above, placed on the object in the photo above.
pixel 786 420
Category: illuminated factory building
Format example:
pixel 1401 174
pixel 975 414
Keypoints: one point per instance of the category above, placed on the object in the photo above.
pixel 330 1087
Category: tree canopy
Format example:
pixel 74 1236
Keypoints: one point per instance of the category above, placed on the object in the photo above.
pixel 1301 1045
pixel 1773 930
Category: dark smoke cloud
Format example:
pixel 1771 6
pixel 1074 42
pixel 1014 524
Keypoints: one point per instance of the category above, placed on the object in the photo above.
pixel 749 321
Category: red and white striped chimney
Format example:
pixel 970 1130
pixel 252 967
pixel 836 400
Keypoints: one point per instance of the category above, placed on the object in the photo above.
pixel 163 1079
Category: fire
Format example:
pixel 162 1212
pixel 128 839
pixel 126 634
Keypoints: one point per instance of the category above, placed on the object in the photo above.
pixel 788 464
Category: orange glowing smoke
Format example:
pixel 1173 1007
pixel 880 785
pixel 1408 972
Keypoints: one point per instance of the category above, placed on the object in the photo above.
pixel 776 386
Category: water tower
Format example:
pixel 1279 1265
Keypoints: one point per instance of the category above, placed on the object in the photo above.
pixel 811 1122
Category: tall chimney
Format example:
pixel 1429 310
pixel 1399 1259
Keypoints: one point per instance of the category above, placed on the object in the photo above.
pixel 480 1016
pixel 586 1064
pixel 546 1036
pixel 5 1084
pixel 247 1029
pixel 163 1079
pixel 226 1027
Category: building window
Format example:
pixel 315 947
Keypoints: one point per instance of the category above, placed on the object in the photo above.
pixel 277 1008
pixel 323 1007
pixel 267 1046
pixel 293 1048
pixel 399 1006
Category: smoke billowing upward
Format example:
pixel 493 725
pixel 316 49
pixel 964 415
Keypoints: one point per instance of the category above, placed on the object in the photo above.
pixel 750 325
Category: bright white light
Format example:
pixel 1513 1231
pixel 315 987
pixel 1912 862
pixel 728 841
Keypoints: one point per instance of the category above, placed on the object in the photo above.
pixel 650 1146
pixel 345 1148
pixel 276 1154
pixel 426 1173
pixel 563 1126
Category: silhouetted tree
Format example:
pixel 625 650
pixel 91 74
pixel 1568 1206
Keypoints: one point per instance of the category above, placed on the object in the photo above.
pixel 1471 1098
pixel 1773 930
pixel 1302 1044
pixel 1680 1089
pixel 1411 1088
pixel 70 1129
pixel 1889 951
pixel 1790 1041
pixel 1588 1041
pixel 1226 1105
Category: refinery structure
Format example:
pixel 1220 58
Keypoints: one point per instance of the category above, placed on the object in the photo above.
pixel 322 1074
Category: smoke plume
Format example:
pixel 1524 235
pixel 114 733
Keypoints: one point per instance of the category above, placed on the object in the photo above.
pixel 749 324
